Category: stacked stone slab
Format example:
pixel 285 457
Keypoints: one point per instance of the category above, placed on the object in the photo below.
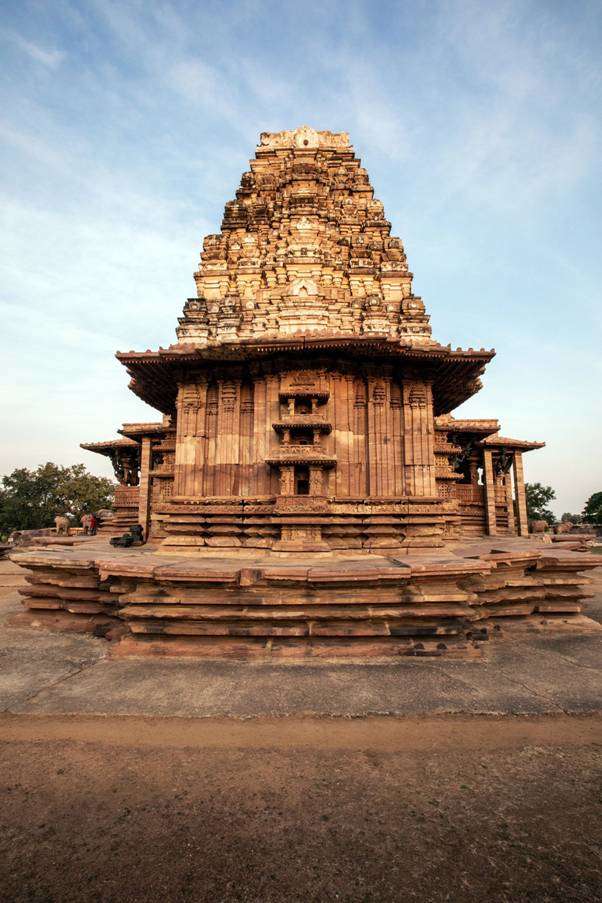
pixel 354 608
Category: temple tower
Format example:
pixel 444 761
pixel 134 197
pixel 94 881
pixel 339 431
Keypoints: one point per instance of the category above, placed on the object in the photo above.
pixel 305 380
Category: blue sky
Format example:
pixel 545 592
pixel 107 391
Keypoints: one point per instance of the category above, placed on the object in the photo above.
pixel 125 127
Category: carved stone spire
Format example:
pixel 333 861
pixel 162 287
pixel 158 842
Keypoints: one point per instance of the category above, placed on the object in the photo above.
pixel 304 249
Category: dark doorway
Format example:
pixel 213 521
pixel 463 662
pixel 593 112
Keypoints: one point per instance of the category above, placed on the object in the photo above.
pixel 301 480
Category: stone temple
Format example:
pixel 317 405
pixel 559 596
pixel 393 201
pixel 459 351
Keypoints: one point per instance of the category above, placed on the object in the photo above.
pixel 306 488
pixel 306 406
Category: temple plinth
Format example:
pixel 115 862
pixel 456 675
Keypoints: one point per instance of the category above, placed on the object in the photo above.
pixel 307 438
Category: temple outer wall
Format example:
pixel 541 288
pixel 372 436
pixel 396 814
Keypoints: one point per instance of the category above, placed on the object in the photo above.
pixel 372 428
pixel 381 434
pixel 375 417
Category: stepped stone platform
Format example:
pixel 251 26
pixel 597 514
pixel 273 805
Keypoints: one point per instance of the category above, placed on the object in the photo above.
pixel 446 603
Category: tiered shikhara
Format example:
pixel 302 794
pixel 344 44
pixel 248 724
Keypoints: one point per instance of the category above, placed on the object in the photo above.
pixel 306 404
pixel 307 479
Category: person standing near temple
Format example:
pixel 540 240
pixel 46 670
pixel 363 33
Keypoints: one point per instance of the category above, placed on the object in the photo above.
pixel 93 523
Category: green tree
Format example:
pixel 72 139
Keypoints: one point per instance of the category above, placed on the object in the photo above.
pixel 31 499
pixel 592 513
pixel 538 497
pixel 571 518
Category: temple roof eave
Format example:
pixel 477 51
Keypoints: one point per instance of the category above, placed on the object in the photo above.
pixel 138 430
pixel 108 446
pixel 473 426
pixel 454 372
pixel 251 348
pixel 508 443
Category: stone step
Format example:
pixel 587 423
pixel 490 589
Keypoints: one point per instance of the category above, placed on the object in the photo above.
pixel 12 575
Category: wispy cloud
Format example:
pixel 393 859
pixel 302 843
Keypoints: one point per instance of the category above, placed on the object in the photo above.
pixel 30 144
pixel 48 57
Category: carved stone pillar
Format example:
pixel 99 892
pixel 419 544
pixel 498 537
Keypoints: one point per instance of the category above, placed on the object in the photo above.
pixel 521 498
pixel 187 406
pixel 144 495
pixel 380 477
pixel 260 446
pixel 247 412
pixel 316 481
pixel 509 502
pixel 396 421
pixel 418 438
pixel 272 413
pixel 359 486
pixel 473 467
pixel 489 482
pixel 227 445
pixel 287 480
pixel 200 440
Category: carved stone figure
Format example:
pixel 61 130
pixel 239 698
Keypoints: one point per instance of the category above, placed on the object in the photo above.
pixel 61 524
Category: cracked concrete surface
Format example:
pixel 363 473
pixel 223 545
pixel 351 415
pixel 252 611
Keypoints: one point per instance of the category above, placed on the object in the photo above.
pixel 56 673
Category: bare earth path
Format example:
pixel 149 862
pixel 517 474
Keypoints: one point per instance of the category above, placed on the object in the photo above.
pixel 316 809
pixel 257 795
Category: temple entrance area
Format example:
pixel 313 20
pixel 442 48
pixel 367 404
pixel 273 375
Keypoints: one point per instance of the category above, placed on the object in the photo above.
pixel 301 480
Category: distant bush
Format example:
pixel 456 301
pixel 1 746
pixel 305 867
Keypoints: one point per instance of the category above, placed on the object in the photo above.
pixel 31 499
pixel 538 497
pixel 592 513
pixel 571 518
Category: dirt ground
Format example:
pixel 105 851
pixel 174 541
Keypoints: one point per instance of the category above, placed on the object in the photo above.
pixel 428 809
pixel 110 806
